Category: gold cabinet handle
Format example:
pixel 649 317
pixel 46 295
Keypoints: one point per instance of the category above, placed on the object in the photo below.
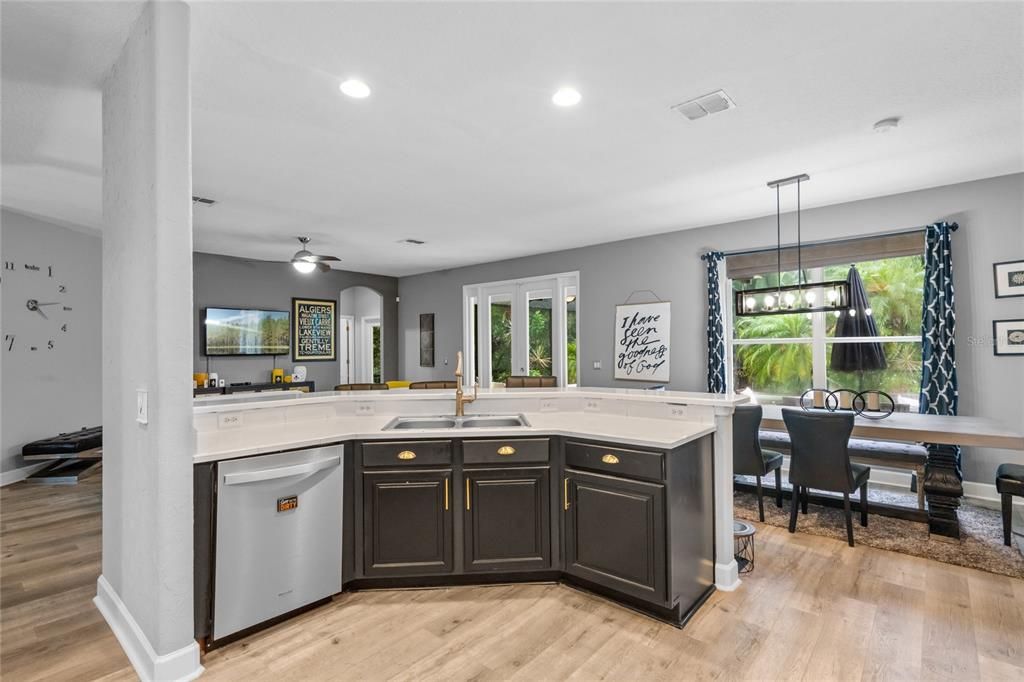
pixel 406 454
pixel 506 450
pixel 446 494
pixel 610 459
pixel 467 494
pixel 565 494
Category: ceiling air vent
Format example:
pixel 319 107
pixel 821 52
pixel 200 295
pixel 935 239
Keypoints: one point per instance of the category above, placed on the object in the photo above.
pixel 417 242
pixel 700 107
pixel 203 200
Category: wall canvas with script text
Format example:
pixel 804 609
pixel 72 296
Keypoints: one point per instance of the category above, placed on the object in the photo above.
pixel 642 341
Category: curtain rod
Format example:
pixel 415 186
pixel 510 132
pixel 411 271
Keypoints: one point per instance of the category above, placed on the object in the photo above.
pixel 841 240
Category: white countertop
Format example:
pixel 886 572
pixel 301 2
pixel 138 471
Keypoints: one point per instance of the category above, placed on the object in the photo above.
pixel 653 419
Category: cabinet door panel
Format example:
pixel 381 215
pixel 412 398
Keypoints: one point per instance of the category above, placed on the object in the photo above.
pixel 615 534
pixel 507 516
pixel 407 522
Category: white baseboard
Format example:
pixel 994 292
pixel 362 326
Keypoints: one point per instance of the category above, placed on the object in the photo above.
pixel 727 576
pixel 182 664
pixel 15 475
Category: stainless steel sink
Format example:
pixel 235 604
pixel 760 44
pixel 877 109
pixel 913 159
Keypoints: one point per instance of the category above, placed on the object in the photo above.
pixel 491 422
pixel 421 423
pixel 482 421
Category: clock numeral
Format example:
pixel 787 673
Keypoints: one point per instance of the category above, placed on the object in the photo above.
pixel 64 327
pixel 32 267
pixel 61 289
pixel 9 340
pixel 49 270
pixel 67 307
pixel 49 345
pixel 33 348
pixel 8 265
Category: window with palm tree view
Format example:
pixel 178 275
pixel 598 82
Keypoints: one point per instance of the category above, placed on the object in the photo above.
pixel 778 357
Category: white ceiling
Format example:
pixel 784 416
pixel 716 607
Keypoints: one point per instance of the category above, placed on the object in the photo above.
pixel 459 144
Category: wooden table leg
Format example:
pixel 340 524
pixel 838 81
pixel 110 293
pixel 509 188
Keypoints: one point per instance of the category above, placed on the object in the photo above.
pixel 943 487
pixel 920 487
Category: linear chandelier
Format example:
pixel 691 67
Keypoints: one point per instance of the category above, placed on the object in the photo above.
pixel 802 297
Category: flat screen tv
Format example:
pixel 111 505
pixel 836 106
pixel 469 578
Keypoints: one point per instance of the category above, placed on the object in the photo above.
pixel 237 331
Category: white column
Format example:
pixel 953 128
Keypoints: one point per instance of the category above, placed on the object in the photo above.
pixel 145 591
pixel 726 569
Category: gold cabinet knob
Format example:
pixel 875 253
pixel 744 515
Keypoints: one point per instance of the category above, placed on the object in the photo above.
pixel 506 450
pixel 610 459
pixel 406 454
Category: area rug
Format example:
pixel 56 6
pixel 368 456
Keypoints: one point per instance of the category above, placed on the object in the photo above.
pixel 981 531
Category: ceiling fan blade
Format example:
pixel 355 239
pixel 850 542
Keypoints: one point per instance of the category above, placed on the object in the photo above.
pixel 323 267
pixel 319 259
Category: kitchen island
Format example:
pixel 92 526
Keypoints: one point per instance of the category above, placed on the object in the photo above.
pixel 624 493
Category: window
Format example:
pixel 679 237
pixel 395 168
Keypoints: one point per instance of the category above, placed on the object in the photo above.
pixel 522 327
pixel 778 357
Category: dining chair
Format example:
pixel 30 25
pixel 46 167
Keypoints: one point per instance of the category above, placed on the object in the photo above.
pixel 531 382
pixel 820 459
pixel 748 458
pixel 361 387
pixel 416 385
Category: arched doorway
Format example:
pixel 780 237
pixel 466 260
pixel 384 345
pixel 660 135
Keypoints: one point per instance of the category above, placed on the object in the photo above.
pixel 360 344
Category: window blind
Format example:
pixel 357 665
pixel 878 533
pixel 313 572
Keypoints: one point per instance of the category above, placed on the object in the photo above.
pixel 816 255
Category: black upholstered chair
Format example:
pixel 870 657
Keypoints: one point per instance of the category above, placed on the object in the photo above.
pixel 416 385
pixel 748 458
pixel 1009 482
pixel 820 459
pixel 361 387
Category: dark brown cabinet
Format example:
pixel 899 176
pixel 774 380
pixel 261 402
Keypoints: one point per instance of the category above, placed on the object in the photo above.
pixel 407 522
pixel 507 519
pixel 615 533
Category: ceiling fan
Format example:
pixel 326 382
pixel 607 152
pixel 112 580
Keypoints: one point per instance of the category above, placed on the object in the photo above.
pixel 305 262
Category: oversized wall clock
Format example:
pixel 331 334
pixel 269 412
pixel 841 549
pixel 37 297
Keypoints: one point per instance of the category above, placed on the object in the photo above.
pixel 48 302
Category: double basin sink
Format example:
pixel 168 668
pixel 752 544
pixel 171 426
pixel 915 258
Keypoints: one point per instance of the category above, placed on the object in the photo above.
pixel 471 422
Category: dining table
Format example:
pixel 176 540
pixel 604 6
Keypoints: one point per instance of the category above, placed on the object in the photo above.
pixel 942 435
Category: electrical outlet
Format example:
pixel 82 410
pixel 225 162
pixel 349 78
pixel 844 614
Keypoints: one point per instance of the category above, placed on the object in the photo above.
pixel 230 420
pixel 365 409
pixel 678 411
pixel 142 406
pixel 592 406
pixel 548 406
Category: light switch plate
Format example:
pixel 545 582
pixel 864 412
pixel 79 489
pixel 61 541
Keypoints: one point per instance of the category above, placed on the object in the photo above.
pixel 597 364
pixel 142 406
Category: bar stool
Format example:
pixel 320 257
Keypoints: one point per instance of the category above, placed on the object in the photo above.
pixel 1009 482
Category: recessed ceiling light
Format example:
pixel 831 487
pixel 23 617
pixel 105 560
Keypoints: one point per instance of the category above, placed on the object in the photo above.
pixel 355 89
pixel 566 97
pixel 887 125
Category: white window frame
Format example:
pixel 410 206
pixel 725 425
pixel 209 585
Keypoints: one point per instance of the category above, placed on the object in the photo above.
pixel 818 340
pixel 479 354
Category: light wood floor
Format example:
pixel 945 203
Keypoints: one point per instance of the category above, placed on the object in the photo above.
pixel 813 609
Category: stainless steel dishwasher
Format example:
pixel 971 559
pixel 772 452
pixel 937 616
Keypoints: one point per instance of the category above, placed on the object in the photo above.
pixel 278 544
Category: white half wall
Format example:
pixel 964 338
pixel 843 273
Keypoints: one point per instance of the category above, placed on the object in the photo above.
pixel 145 591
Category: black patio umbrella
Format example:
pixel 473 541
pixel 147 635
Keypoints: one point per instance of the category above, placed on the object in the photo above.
pixel 854 322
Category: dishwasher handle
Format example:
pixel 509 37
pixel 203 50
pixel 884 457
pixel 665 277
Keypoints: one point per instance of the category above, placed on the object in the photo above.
pixel 281 472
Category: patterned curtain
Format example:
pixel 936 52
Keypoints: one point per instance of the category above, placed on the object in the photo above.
pixel 716 330
pixel 943 477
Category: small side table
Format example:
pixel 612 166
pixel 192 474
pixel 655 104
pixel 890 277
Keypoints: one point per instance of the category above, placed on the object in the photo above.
pixel 743 536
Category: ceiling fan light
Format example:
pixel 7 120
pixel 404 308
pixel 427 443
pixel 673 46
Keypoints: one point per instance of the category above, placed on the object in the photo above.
pixel 303 266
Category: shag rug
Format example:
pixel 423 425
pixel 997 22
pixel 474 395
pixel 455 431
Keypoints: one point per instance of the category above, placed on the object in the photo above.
pixel 981 531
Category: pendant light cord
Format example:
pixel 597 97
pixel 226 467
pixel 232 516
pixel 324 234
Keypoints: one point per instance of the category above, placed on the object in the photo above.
pixel 778 238
pixel 799 261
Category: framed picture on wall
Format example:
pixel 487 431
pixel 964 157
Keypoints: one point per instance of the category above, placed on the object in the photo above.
pixel 427 340
pixel 1009 278
pixel 642 341
pixel 314 330
pixel 1008 337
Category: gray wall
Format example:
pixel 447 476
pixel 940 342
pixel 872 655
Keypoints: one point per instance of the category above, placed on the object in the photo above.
pixel 49 391
pixel 992 229
pixel 224 281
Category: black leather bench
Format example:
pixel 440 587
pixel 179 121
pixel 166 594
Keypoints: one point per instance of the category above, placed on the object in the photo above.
pixel 896 455
pixel 73 455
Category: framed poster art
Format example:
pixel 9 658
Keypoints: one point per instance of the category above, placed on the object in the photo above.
pixel 1009 278
pixel 642 341
pixel 427 340
pixel 1009 337
pixel 314 330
